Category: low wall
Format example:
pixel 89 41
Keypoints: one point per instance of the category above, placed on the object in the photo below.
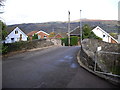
pixel 101 61
pixel 22 46
pixel 55 41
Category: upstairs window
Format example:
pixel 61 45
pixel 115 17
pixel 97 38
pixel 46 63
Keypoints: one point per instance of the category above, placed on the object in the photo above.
pixel 103 35
pixel 16 32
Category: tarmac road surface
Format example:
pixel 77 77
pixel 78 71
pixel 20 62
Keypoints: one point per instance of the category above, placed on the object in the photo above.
pixel 54 67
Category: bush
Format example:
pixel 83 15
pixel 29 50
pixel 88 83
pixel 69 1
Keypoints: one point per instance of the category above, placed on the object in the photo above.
pixel 73 41
pixel 35 37
pixel 64 41
pixel 88 33
pixel 3 49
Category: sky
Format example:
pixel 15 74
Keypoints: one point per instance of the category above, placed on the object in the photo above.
pixel 38 11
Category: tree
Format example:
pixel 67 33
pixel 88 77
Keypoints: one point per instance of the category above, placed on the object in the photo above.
pixel 2 4
pixel 88 33
pixel 35 36
pixel 3 32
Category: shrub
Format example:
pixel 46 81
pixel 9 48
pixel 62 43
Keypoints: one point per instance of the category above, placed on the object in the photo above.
pixel 3 49
pixel 73 41
pixel 88 33
pixel 35 37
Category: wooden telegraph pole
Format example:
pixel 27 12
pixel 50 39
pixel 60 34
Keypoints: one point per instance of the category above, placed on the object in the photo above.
pixel 69 28
pixel 80 28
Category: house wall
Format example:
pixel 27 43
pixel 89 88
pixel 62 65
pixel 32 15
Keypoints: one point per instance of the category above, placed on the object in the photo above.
pixel 101 34
pixel 105 37
pixel 113 41
pixel 15 36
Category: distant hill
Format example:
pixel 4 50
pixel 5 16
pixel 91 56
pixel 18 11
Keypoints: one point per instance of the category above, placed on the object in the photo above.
pixel 107 25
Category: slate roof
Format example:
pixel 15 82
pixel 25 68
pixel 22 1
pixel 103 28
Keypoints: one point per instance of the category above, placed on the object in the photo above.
pixel 75 31
pixel 10 29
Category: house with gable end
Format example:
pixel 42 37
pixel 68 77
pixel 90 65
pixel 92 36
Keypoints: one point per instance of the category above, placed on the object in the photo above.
pixel 104 35
pixel 16 35
pixel 42 35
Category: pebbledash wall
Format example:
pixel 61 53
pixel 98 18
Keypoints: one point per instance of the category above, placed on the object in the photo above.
pixel 107 58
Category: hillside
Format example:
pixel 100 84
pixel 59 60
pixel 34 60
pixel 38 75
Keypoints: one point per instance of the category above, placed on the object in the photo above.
pixel 107 25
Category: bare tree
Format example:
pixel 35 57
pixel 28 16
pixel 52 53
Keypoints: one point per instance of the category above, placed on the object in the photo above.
pixel 1 5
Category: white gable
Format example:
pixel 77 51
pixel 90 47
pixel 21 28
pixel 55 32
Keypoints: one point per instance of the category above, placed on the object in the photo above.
pixel 42 32
pixel 102 34
pixel 15 36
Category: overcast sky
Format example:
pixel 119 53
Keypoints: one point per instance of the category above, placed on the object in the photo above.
pixel 37 11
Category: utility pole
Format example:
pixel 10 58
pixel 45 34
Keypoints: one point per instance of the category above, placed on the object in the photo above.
pixel 68 28
pixel 80 28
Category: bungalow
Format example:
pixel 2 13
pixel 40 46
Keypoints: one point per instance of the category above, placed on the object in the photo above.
pixel 16 35
pixel 60 35
pixel 104 35
pixel 41 34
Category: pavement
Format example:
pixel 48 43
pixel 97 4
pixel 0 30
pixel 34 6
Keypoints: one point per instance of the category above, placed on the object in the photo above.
pixel 53 67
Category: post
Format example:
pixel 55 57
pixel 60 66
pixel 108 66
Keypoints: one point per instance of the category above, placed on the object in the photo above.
pixel 95 57
pixel 80 28
pixel 95 66
pixel 68 28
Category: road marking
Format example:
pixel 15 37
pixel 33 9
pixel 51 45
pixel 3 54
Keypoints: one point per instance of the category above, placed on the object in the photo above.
pixel 73 65
pixel 68 57
pixel 61 60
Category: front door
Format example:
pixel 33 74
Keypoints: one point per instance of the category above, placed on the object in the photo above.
pixel 20 37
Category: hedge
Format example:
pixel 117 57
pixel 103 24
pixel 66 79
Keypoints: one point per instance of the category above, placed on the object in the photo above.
pixel 73 41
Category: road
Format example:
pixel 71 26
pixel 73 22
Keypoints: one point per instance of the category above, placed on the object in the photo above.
pixel 54 67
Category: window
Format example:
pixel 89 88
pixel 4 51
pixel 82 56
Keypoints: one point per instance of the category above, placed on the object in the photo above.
pixel 7 37
pixel 12 39
pixel 103 35
pixel 16 32
pixel 45 36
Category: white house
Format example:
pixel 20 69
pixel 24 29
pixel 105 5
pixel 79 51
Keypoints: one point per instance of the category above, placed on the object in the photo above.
pixel 16 35
pixel 104 35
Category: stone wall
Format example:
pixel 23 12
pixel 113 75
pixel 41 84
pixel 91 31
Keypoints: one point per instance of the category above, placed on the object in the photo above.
pixel 27 45
pixel 55 41
pixel 107 59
